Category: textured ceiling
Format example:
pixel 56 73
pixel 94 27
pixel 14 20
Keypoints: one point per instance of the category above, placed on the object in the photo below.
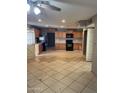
pixel 72 11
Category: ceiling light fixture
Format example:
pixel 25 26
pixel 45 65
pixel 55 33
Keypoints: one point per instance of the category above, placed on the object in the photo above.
pixel 28 7
pixel 39 20
pixel 63 21
pixel 36 10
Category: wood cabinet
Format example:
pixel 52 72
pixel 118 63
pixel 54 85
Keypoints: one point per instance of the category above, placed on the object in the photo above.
pixel 60 37
pixel 60 46
pixel 60 34
pixel 77 34
pixel 37 32
pixel 77 46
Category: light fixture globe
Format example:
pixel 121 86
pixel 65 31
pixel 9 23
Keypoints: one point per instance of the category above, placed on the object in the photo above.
pixel 39 20
pixel 36 10
pixel 63 21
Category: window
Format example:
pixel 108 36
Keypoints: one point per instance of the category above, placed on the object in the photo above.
pixel 30 37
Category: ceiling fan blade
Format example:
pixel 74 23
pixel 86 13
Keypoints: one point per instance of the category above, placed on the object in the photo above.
pixel 54 8
pixel 48 5
pixel 43 4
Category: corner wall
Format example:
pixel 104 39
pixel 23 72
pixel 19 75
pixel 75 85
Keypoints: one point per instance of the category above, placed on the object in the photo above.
pixel 94 63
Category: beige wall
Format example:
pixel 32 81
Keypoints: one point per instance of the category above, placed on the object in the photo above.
pixel 30 51
pixel 94 64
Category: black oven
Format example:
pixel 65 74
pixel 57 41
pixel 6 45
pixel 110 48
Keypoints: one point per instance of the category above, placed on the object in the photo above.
pixel 69 42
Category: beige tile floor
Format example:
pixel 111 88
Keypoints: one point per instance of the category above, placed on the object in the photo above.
pixel 60 72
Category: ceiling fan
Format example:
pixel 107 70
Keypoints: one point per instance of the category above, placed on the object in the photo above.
pixel 42 4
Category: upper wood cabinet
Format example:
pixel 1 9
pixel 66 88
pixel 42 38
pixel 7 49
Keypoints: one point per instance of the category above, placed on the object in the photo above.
pixel 60 34
pixel 77 34
pixel 37 32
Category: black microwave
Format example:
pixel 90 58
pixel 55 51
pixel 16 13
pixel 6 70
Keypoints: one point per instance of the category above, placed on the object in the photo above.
pixel 69 35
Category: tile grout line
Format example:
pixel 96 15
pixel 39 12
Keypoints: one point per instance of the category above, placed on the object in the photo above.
pixel 86 85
